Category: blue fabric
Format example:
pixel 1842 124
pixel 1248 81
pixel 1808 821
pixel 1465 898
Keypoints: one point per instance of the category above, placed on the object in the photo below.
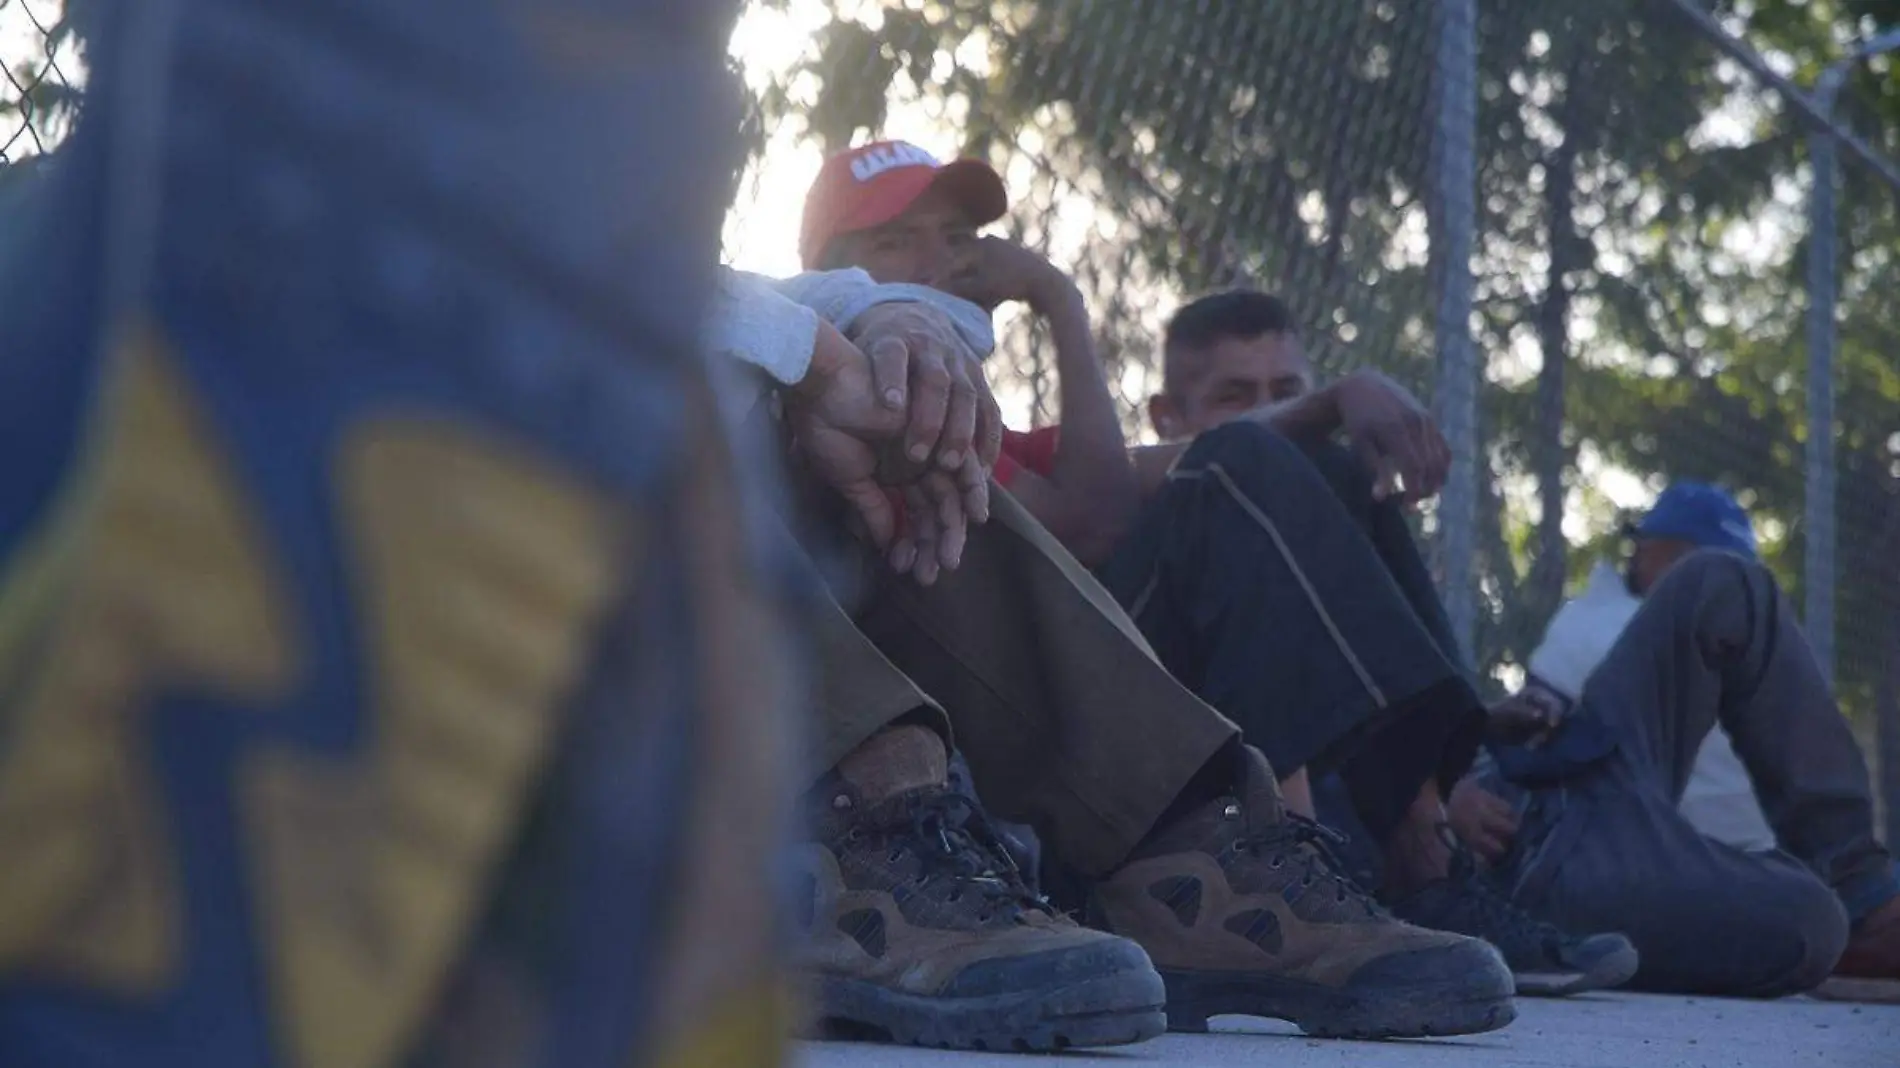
pixel 329 210
pixel 1701 514
pixel 1863 895
pixel 1580 742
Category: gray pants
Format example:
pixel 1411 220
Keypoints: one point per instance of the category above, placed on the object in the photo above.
pixel 1605 849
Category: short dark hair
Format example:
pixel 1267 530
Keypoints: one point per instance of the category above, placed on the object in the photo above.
pixel 1242 314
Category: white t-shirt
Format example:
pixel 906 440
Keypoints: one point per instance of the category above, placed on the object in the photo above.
pixel 1719 799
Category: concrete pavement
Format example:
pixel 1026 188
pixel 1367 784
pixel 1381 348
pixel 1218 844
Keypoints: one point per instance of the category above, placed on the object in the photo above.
pixel 1597 1031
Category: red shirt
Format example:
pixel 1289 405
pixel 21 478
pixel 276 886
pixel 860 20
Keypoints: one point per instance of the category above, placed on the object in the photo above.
pixel 1032 451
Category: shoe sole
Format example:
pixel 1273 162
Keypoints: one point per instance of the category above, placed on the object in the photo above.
pixel 1554 984
pixel 1607 974
pixel 1330 1012
pixel 1113 1010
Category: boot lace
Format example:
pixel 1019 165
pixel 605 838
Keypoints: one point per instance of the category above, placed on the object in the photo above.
pixel 1312 848
pixel 1491 914
pixel 954 841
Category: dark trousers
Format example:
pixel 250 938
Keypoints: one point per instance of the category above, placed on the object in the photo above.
pixel 1270 582
pixel 1605 848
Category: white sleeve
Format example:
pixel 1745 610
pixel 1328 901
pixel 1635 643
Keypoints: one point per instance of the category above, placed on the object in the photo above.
pixel 1581 634
pixel 772 325
pixel 753 323
pixel 841 296
pixel 1561 661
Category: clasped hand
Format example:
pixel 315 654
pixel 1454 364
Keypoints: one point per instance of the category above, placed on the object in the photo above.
pixel 898 415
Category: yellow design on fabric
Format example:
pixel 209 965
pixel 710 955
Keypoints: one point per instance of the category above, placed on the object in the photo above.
pixel 149 577
pixel 483 574
pixel 748 1031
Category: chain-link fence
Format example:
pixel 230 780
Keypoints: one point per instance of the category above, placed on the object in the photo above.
pixel 41 76
pixel 1632 186
pixel 1583 230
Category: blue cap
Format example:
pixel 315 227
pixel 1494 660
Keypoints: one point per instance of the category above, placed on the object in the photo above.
pixel 1701 514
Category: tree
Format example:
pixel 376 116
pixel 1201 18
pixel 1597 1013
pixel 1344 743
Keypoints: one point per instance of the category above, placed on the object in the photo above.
pixel 1290 143
pixel 39 97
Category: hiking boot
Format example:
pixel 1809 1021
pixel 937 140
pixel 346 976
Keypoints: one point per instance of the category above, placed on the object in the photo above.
pixel 1025 848
pixel 1544 960
pixel 1873 950
pixel 919 930
pixel 1244 910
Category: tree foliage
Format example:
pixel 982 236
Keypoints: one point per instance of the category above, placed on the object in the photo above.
pixel 1641 246
pixel 39 97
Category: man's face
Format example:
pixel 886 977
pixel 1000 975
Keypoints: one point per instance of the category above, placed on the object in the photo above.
pixel 1651 559
pixel 921 246
pixel 1233 376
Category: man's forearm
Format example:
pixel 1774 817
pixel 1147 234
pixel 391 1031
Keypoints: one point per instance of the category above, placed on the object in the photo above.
pixel 1089 457
pixel 1307 418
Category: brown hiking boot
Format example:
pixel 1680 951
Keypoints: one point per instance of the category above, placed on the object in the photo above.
pixel 919 930
pixel 1245 911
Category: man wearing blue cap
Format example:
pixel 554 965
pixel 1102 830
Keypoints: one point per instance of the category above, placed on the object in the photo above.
pixel 1688 516
pixel 1695 784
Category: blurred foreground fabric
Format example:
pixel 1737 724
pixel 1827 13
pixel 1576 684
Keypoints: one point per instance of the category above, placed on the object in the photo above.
pixel 387 673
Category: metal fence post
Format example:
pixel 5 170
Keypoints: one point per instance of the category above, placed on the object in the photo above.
pixel 1818 566
pixel 1458 367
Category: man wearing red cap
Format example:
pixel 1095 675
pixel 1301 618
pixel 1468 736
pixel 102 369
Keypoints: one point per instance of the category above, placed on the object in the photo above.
pixel 917 925
pixel 892 210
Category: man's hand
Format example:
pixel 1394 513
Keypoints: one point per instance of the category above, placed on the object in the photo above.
pixel 906 408
pixel 954 424
pixel 951 436
pixel 1483 820
pixel 1526 717
pixel 937 528
pixel 1395 435
pixel 992 272
pixel 838 415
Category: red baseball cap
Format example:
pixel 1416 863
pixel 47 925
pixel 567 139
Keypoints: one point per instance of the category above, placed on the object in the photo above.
pixel 873 184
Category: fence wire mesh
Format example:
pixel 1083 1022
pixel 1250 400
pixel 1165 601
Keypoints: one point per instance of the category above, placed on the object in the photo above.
pixel 1641 244
pixel 1866 454
pixel 41 77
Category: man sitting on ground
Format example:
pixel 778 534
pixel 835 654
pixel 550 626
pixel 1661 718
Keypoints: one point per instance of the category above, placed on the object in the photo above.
pixel 1275 580
pixel 1274 571
pixel 919 929
pixel 1656 683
